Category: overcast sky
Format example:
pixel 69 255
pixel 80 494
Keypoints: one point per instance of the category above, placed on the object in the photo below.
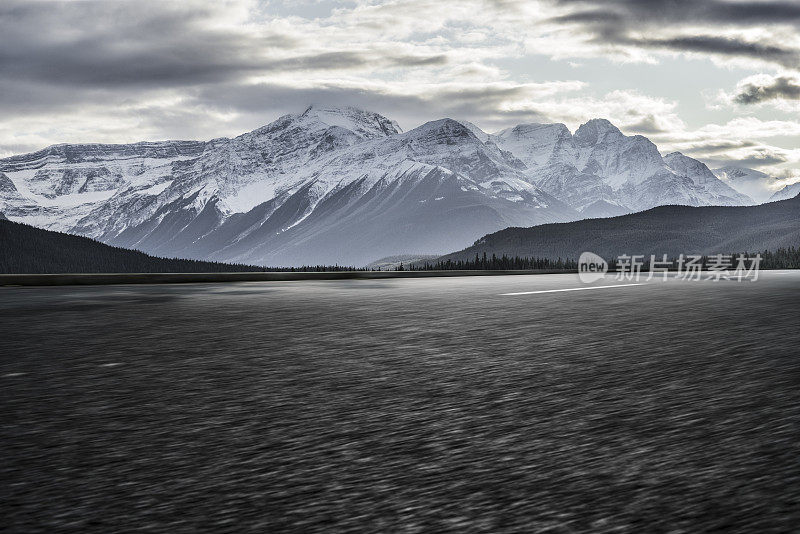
pixel 718 80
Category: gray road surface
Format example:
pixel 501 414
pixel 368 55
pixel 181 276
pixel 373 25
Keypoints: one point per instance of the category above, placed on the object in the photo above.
pixel 420 405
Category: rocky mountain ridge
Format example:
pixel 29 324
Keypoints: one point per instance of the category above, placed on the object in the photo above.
pixel 345 185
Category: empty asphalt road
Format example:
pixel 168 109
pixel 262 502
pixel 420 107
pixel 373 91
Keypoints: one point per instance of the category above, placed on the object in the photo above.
pixel 402 405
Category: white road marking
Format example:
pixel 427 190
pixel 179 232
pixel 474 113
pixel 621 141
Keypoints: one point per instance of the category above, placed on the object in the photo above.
pixel 570 289
pixel 110 364
pixel 10 375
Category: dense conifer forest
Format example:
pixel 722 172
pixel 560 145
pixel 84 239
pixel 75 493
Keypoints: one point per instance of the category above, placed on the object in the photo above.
pixel 782 258
pixel 671 230
pixel 28 250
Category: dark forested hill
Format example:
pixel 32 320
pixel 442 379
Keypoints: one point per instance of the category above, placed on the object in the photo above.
pixel 670 230
pixel 25 249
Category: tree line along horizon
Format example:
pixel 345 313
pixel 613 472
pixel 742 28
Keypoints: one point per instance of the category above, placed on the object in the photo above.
pixel 29 250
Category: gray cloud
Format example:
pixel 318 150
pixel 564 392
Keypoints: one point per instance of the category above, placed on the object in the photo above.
pixel 708 11
pixel 591 16
pixel 756 160
pixel 19 97
pixel 781 87
pixel 763 158
pixel 647 125
pixel 108 44
pixel 351 59
pixel 713 147
pixel 260 103
pixel 739 153
pixel 724 46
pixel 620 20
pixel 99 70
pixel 97 44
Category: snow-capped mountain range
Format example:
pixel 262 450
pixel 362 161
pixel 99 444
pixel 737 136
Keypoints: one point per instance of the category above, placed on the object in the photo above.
pixel 756 184
pixel 345 185
pixel 788 191
pixel 600 172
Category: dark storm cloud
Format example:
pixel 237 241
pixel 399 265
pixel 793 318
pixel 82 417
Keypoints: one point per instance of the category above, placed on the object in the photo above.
pixel 417 61
pixel 268 100
pixel 763 158
pixel 590 16
pixel 323 61
pixel 487 94
pixel 751 162
pixel 711 147
pixel 254 97
pixel 724 46
pixel 709 11
pixel 714 154
pixel 646 125
pixel 128 44
pixel 345 60
pixel 781 87
pixel 147 63
pixel 107 44
pixel 619 21
pixel 22 97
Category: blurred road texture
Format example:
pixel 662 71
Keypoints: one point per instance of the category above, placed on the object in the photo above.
pixel 402 405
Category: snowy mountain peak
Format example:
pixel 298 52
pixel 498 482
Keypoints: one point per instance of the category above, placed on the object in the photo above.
pixel 730 172
pixel 537 144
pixel 686 166
pixel 6 185
pixel 338 184
pixel 599 167
pixel 789 191
pixel 442 130
pixel 367 124
pixel 92 152
pixel 694 169
pixel 679 158
pixel 476 131
pixel 751 182
pixel 596 131
pixel 532 129
pixel 364 124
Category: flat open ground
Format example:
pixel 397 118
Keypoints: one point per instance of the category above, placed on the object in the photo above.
pixel 402 405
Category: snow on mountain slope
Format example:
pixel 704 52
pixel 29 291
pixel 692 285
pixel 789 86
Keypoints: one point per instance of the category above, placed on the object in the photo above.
pixel 600 171
pixel 621 160
pixel 396 213
pixel 789 191
pixel 711 190
pixel 269 194
pixel 477 132
pixel 61 184
pixel 342 184
pixel 538 144
pixel 749 182
pixel 361 185
pixel 238 174
pixel 9 192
